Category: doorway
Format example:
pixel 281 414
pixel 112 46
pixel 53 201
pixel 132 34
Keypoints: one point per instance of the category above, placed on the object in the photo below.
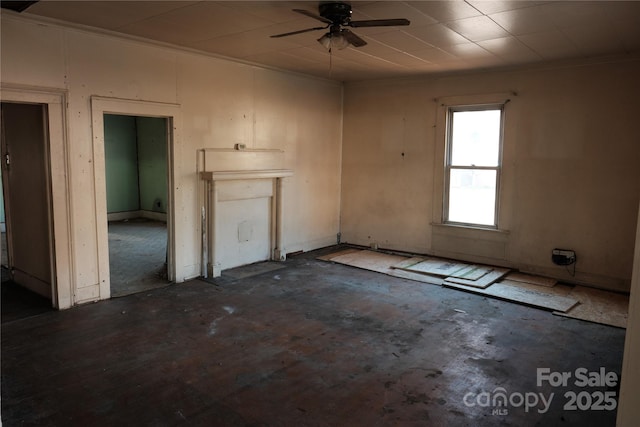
pixel 27 228
pixel 136 180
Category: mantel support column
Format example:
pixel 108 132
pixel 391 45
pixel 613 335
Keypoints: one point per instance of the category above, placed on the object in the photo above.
pixel 279 253
pixel 213 265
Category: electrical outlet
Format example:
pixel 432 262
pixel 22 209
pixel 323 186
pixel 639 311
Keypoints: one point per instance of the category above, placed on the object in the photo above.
pixel 563 256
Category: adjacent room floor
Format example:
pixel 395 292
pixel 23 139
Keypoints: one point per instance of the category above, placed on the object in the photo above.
pixel 310 344
pixel 137 256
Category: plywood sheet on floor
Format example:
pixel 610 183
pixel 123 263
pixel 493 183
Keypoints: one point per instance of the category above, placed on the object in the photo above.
pixel 418 277
pixel 515 293
pixel 559 289
pixel 472 272
pixel 330 256
pixel 529 278
pixel 438 267
pixel 369 260
pixel 409 262
pixel 484 282
pixel 598 306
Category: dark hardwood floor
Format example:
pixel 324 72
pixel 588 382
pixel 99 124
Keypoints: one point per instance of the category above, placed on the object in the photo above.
pixel 310 344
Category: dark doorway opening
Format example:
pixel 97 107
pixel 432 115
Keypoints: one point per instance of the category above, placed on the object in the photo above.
pixel 28 283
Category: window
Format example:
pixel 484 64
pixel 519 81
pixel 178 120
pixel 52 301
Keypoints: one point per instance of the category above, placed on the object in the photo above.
pixel 473 160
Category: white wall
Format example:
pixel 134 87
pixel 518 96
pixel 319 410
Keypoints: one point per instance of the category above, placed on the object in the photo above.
pixel 570 176
pixel 629 401
pixel 222 103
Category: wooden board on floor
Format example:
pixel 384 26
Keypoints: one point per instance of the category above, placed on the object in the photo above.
pixel 598 306
pixel 515 293
pixel 330 256
pixel 369 260
pixel 529 278
pixel 484 282
pixel 437 267
pixel 418 277
pixel 472 272
pixel 559 289
pixel 409 262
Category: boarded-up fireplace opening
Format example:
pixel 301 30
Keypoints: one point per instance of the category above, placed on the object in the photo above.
pixel 242 215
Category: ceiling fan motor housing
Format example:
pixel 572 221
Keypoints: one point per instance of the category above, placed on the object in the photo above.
pixel 337 12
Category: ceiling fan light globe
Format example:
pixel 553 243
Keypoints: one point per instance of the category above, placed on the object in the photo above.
pixel 332 40
pixel 325 41
pixel 339 41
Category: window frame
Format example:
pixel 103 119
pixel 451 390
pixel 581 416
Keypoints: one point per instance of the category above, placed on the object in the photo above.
pixel 448 167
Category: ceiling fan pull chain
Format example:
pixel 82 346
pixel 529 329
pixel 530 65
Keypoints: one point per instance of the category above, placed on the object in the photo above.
pixel 330 63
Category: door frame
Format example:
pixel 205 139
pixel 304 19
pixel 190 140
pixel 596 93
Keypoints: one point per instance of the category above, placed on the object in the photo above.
pixel 172 112
pixel 61 226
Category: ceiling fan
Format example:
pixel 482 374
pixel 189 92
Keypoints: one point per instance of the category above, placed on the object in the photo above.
pixel 337 15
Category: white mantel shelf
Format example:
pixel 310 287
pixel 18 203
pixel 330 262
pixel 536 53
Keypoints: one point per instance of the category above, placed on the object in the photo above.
pixel 245 174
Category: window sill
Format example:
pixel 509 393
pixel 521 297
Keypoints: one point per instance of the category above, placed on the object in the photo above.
pixel 469 227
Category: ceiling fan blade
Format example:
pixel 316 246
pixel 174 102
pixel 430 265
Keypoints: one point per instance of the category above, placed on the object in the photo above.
pixel 313 15
pixel 380 23
pixel 353 38
pixel 298 32
pixel 17 6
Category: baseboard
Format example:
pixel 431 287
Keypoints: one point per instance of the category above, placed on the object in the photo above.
pixel 121 216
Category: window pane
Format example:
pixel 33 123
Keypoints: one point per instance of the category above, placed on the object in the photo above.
pixel 475 139
pixel 472 196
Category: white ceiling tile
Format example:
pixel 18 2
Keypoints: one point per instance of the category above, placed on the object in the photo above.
pixel 275 12
pixel 410 61
pixel 469 50
pixel 550 45
pixel 245 44
pixel 401 41
pixel 510 49
pixel 597 39
pixel 444 11
pixel 435 55
pixel 443 35
pixel 574 13
pixel 376 48
pixel 488 7
pixel 105 14
pixel 285 60
pixel 311 53
pixel 525 21
pixel 200 21
pixel 366 58
pixel 438 35
pixel 477 28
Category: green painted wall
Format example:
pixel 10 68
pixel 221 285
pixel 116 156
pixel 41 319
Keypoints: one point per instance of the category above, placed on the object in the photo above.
pixel 121 163
pixel 136 163
pixel 152 163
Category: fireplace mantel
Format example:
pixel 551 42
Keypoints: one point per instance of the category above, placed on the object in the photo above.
pixel 213 181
